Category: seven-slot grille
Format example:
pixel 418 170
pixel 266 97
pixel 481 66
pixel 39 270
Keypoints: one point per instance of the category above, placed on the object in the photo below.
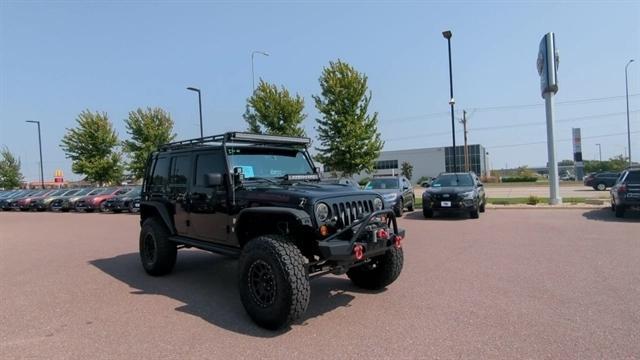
pixel 349 211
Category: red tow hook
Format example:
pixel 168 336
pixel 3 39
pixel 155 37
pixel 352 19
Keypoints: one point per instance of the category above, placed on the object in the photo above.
pixel 397 241
pixel 358 251
pixel 382 234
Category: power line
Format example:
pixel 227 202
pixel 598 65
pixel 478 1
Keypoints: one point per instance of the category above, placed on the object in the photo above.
pixel 499 127
pixel 507 107
pixel 563 140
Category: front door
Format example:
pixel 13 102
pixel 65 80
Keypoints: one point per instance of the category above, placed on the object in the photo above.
pixel 209 208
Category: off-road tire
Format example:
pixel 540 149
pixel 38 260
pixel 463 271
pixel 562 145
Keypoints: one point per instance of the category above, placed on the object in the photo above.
pixel 157 252
pixel 427 213
pixel 288 295
pixel 380 272
pixel 413 202
pixel 482 206
pixel 619 211
pixel 474 214
pixel 601 187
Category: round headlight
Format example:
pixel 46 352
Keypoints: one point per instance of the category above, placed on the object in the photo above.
pixel 322 211
pixel 377 204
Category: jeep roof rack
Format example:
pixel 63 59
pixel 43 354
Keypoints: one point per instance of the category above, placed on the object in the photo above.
pixel 238 137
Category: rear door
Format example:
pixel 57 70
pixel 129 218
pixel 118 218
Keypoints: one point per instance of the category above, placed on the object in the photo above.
pixel 178 190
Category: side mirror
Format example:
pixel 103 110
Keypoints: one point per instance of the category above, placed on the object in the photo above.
pixel 480 184
pixel 238 175
pixel 405 187
pixel 213 179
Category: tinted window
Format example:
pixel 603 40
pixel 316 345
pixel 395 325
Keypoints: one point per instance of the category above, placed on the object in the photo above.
pixel 633 177
pixel 453 180
pixel 180 170
pixel 160 177
pixel 378 184
pixel 207 164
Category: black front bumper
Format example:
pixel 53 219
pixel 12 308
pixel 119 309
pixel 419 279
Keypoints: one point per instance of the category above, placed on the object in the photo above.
pixel 339 247
pixel 456 205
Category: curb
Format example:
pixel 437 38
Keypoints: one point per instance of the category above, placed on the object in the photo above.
pixel 546 207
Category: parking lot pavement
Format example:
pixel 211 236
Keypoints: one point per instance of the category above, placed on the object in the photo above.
pixel 558 284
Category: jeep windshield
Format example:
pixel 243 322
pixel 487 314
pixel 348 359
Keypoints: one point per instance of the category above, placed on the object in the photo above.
pixel 266 163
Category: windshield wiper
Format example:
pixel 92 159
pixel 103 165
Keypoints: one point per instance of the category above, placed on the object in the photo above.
pixel 258 178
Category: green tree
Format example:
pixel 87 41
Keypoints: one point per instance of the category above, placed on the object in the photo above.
pixel 10 175
pixel 406 170
pixel 148 129
pixel 614 164
pixel 349 137
pixel 92 147
pixel 274 111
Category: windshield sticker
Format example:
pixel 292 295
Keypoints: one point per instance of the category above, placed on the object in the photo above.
pixel 436 185
pixel 246 170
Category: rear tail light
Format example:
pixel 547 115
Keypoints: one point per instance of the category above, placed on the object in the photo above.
pixel 622 189
pixel 358 252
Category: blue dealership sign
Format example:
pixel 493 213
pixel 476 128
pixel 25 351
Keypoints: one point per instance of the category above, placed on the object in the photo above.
pixel 547 64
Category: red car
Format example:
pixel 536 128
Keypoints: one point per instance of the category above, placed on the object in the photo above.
pixel 24 204
pixel 94 202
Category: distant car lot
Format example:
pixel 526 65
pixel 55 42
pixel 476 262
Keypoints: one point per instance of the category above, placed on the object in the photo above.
pixel 546 284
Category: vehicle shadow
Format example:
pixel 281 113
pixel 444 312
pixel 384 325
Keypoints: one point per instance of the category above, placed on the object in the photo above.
pixel 207 285
pixel 417 215
pixel 605 214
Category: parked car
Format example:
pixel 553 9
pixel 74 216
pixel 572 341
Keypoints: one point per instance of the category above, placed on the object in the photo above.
pixel 43 203
pixel 625 194
pixel 258 197
pixel 91 203
pixel 67 202
pixel 454 192
pixel 24 203
pixel 347 182
pixel 396 191
pixel 123 202
pixel 6 203
pixel 601 180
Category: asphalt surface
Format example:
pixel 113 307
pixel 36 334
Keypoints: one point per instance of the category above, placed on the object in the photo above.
pixel 560 284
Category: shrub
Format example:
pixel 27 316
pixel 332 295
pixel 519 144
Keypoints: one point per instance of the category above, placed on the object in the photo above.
pixel 519 179
pixel 490 179
pixel 533 200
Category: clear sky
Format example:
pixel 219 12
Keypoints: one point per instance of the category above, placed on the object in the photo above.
pixel 60 57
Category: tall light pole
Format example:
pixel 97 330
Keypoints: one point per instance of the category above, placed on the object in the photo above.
pixel 199 108
pixel 626 86
pixel 599 151
pixel 253 76
pixel 447 35
pixel 40 146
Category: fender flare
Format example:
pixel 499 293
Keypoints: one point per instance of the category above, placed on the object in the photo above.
pixel 159 208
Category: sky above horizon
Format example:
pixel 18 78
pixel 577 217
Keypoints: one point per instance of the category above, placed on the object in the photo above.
pixel 58 58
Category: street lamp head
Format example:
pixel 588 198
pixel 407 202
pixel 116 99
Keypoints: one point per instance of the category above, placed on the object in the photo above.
pixel 452 101
pixel 447 34
pixel 193 89
pixel 32 121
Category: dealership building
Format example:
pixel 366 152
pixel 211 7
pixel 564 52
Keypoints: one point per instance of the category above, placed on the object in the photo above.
pixel 429 162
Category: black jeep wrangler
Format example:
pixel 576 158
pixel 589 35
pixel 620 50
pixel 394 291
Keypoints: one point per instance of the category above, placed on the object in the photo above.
pixel 259 198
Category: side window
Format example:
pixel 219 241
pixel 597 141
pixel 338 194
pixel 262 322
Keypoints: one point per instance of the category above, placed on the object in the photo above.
pixel 206 164
pixel 180 171
pixel 160 177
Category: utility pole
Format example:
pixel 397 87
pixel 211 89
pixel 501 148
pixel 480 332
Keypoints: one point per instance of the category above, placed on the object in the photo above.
pixel 466 148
